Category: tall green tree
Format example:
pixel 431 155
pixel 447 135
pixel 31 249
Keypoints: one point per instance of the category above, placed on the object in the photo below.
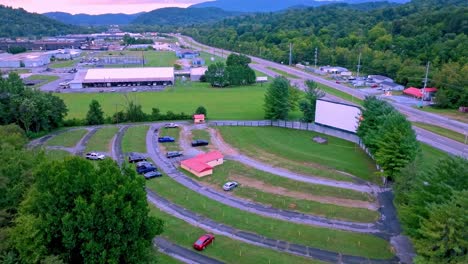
pixel 217 75
pixel 277 104
pixel 201 110
pixel 81 212
pixel 307 105
pixel 95 115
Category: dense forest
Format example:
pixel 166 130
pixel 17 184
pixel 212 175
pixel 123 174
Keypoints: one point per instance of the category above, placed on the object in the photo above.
pixel 19 23
pixel 396 41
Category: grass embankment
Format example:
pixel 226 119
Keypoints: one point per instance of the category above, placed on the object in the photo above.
pixel 340 94
pixel 203 135
pixel 236 103
pixel 223 248
pixel 296 151
pixel 287 194
pixel 101 141
pixel 67 139
pixel 451 113
pixel 134 139
pixel 283 73
pixel 431 155
pixel 62 64
pixel 170 132
pixel 45 79
pixel 441 131
pixel 328 239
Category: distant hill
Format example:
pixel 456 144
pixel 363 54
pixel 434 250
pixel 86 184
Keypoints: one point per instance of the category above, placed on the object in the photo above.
pixel 93 20
pixel 272 6
pixel 19 23
pixel 183 16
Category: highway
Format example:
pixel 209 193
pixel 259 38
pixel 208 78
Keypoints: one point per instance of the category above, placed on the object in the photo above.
pixel 413 114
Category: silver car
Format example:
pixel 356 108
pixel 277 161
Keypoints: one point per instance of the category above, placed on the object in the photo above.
pixel 228 186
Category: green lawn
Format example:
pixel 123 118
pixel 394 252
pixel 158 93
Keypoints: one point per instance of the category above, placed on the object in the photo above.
pixel 223 248
pixel 431 155
pixel 56 154
pixel 340 94
pixel 207 57
pixel 62 64
pixel 283 73
pixel 170 132
pixel 102 139
pixel 236 103
pixel 134 139
pixel 45 79
pixel 166 259
pixel 451 113
pixel 67 139
pixel 232 170
pixel 294 150
pixel 441 131
pixel 323 238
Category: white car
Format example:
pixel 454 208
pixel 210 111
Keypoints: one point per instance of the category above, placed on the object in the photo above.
pixel 95 156
pixel 228 186
pixel 171 125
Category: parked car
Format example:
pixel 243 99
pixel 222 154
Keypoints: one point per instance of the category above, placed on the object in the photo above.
pixel 146 168
pixel 171 125
pixel 173 154
pixel 199 142
pixel 203 242
pixel 95 156
pixel 135 157
pixel 166 139
pixel 228 186
pixel 152 174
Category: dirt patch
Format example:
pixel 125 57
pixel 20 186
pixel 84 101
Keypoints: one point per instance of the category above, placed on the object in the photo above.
pixel 218 142
pixel 263 186
pixel 185 137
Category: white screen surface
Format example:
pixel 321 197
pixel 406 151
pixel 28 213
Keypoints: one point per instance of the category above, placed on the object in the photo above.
pixel 341 116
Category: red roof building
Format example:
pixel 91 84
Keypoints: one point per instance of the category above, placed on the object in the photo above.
pixel 198 119
pixel 202 165
pixel 418 93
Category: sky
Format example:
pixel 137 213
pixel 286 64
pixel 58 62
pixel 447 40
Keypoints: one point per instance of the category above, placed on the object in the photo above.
pixel 96 6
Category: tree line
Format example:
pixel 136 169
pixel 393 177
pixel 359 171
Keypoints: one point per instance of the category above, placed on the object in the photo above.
pixel 70 211
pixel 235 71
pixel 395 41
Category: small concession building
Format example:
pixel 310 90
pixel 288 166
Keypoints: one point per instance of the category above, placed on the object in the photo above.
pixel 122 77
pixel 202 165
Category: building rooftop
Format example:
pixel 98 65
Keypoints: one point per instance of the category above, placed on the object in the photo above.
pixel 195 165
pixel 210 156
pixel 198 71
pixel 129 74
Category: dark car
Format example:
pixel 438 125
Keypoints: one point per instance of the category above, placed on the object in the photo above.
pixel 173 154
pixel 199 142
pixel 146 168
pixel 152 174
pixel 203 242
pixel 134 157
pixel 166 139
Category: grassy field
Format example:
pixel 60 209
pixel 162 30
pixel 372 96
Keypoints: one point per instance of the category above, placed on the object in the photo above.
pixel 67 139
pixel 207 57
pixel 62 64
pixel 134 139
pixel 340 94
pixel 166 259
pixel 328 239
pixel 283 73
pixel 102 139
pixel 223 248
pixel 55 154
pixel 431 155
pixel 441 131
pixel 236 103
pixel 294 150
pixel 45 79
pixel 270 190
pixel 452 113
pixel 170 132
pixel 152 58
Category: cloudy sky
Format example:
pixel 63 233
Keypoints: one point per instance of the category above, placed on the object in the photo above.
pixel 96 6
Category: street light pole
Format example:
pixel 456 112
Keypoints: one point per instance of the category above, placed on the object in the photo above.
pixel 425 83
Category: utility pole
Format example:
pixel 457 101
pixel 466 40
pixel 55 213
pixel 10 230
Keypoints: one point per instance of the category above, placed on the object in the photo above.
pixel 359 64
pixel 290 54
pixel 425 83
pixel 316 56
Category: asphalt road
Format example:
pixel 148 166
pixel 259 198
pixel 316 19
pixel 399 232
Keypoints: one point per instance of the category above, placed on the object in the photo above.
pixel 412 113
pixel 183 254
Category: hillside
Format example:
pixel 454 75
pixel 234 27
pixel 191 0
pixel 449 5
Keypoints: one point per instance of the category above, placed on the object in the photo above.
pixel 394 41
pixel 19 23
pixel 183 16
pixel 272 6
pixel 85 19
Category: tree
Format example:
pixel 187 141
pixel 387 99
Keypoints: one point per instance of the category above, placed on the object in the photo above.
pixel 307 105
pixel 217 75
pixel 201 110
pixel 95 115
pixel 79 212
pixel 238 60
pixel 134 113
pixel 277 104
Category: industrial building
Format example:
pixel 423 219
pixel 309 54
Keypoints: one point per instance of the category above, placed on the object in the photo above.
pixel 123 77
pixel 64 54
pixel 197 73
pixel 28 60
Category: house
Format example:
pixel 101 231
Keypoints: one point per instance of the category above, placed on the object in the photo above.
pixel 199 119
pixel 391 86
pixel 203 164
pixel 187 54
pixel 379 78
pixel 197 62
